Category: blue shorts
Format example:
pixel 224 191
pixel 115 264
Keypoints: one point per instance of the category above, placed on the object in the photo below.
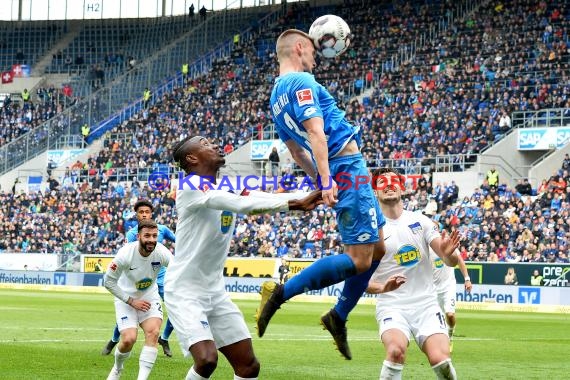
pixel 358 212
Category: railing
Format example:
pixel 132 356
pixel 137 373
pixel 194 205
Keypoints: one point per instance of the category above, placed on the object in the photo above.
pixel 548 117
pixel 70 141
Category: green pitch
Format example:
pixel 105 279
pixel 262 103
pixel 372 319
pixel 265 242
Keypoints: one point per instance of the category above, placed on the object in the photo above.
pixel 53 335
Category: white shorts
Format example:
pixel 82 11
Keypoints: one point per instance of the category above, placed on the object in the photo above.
pixel 199 318
pixel 129 317
pixel 417 323
pixel 446 298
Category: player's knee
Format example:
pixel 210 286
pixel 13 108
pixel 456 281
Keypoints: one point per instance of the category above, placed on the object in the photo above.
pixel 206 362
pixel 396 353
pixel 129 339
pixel 438 356
pixel 451 319
pixel 152 333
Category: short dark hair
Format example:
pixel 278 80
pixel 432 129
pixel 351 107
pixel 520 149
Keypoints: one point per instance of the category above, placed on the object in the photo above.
pixel 177 153
pixel 384 170
pixel 147 223
pixel 143 202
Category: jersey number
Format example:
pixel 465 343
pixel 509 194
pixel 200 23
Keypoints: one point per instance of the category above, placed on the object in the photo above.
pixel 374 221
pixel 295 128
pixel 441 319
pixel 159 307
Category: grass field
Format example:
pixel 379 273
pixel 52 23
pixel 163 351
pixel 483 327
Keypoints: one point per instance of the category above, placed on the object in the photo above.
pixel 53 335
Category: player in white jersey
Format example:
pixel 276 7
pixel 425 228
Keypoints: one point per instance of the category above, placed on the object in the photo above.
pixel 204 317
pixel 445 287
pixel 411 311
pixel 131 278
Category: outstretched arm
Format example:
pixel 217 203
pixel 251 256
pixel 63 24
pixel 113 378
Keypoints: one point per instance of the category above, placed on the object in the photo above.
pixel 393 283
pixel 445 247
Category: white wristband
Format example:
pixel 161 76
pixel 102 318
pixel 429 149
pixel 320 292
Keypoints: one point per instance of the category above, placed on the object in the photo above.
pixel 467 279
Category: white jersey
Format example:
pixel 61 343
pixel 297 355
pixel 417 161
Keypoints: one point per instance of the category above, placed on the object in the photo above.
pixel 132 275
pixel 206 221
pixel 443 275
pixel 407 242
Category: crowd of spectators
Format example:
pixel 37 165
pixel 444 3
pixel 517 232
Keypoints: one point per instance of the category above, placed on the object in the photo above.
pixel 439 101
pixel 496 224
pixel 18 117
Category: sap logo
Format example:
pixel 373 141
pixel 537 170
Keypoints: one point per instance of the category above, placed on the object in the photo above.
pixel 562 137
pixel 226 221
pixel 528 139
pixel 143 284
pixel 59 278
pixel 260 148
pixel 529 295
pixel 407 256
pixel 438 263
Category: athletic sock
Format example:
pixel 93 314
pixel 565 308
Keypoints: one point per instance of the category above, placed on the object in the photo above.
pixel 167 330
pixel 444 370
pixel 116 334
pixel 353 288
pixel 192 375
pixel 450 331
pixel 391 371
pixel 320 274
pixel 146 361
pixel 120 358
pixel 236 377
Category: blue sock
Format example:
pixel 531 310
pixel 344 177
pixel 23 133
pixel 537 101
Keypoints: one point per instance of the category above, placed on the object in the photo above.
pixel 320 274
pixel 116 334
pixel 352 291
pixel 167 330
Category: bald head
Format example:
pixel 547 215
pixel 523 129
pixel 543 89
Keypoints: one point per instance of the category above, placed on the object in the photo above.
pixel 288 40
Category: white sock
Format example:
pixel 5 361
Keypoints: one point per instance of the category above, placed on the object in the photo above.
pixel 450 331
pixel 146 361
pixel 120 358
pixel 444 370
pixel 391 371
pixel 192 375
pixel 236 377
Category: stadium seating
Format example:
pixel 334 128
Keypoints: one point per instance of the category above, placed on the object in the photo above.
pixel 438 100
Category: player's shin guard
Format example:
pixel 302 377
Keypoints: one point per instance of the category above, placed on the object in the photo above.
pixel 193 375
pixel 353 288
pixel 322 273
pixel 120 358
pixel 146 361
pixel 116 334
pixel 167 330
pixel 391 371
pixel 444 370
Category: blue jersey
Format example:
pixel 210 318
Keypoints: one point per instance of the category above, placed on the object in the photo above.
pixel 297 97
pixel 164 233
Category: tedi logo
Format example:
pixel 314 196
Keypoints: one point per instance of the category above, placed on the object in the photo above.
pixel 407 256
pixel 529 295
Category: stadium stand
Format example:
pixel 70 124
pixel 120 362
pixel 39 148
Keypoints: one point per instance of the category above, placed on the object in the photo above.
pixel 436 101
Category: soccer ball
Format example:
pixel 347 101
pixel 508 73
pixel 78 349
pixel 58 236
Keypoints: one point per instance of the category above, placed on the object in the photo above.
pixel 331 35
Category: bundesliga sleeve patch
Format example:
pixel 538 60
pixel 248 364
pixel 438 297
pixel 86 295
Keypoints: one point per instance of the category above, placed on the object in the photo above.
pixel 305 97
